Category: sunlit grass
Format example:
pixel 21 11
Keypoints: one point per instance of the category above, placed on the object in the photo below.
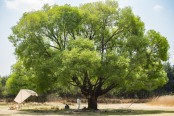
pixel 3 105
pixel 97 112
pixel 47 109
pixel 57 108
pixel 167 100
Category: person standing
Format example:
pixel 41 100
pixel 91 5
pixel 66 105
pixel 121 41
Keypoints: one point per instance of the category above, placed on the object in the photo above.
pixel 78 103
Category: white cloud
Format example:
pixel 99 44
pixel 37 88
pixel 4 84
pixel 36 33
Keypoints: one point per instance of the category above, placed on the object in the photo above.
pixel 27 5
pixel 158 8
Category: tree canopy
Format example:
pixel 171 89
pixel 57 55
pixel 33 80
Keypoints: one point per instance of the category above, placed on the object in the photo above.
pixel 97 47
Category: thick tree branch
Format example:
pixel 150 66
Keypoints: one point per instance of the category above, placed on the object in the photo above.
pixel 39 41
pixel 73 35
pixel 115 33
pixel 50 34
pixel 76 80
pixel 104 91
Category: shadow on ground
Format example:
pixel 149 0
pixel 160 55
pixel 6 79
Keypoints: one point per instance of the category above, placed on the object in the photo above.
pixel 92 112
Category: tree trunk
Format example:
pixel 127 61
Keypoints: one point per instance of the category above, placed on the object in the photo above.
pixel 92 102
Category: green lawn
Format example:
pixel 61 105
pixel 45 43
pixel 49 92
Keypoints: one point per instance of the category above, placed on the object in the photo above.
pixel 98 112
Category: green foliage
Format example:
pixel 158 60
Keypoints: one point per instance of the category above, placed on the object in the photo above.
pixel 158 44
pixel 39 36
pixel 96 47
pixel 80 56
pixel 3 86
pixel 169 86
pixel 20 79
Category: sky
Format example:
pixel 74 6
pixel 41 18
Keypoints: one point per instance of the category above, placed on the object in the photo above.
pixel 156 14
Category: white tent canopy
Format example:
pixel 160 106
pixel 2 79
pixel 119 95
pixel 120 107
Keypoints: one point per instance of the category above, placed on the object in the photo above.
pixel 24 94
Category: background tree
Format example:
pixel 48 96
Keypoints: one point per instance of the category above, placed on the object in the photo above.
pixel 2 86
pixel 96 47
pixel 19 79
pixel 169 86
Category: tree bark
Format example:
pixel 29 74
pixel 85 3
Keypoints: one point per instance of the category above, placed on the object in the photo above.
pixel 92 102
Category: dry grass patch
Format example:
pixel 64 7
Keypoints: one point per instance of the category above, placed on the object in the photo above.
pixel 167 100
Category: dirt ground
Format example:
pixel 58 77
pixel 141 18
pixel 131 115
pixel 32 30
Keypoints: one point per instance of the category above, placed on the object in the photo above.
pixel 4 109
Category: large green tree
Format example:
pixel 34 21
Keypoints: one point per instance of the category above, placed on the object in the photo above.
pixel 96 47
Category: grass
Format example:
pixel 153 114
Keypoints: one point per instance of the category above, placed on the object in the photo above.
pixel 167 100
pixel 57 108
pixel 97 112
pixel 2 105
pixel 46 109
